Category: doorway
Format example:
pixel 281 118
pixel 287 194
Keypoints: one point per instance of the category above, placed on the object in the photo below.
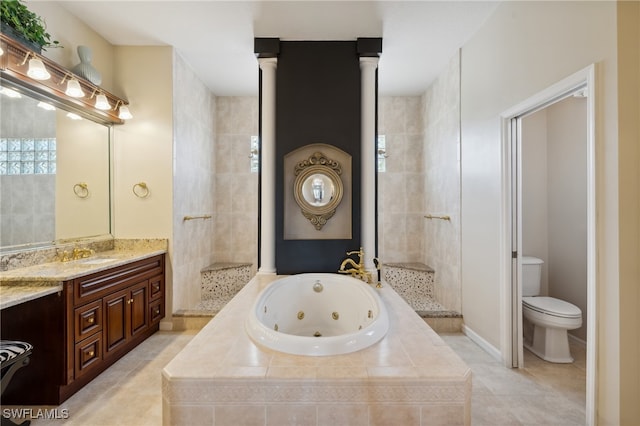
pixel 521 157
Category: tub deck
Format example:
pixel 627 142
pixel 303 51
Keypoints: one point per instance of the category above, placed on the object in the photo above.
pixel 410 377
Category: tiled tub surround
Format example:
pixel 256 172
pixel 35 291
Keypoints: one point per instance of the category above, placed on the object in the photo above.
pixel 410 377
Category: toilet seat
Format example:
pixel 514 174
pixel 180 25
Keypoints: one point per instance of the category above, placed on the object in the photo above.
pixel 552 306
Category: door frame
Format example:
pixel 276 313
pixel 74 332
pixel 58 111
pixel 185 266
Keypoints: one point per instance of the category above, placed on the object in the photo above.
pixel 511 243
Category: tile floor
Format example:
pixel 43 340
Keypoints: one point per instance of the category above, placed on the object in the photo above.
pixel 129 392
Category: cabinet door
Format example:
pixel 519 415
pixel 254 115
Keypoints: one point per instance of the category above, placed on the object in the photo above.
pixel 156 311
pixel 156 287
pixel 138 306
pixel 88 320
pixel 88 353
pixel 116 313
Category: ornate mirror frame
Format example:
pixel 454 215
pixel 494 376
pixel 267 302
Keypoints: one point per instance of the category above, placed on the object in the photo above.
pixel 318 188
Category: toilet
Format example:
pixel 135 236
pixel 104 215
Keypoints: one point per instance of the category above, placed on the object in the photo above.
pixel 551 318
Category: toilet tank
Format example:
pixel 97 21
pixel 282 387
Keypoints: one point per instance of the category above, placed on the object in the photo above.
pixel 531 275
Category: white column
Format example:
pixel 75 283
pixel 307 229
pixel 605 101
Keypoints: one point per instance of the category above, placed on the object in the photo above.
pixel 368 186
pixel 268 171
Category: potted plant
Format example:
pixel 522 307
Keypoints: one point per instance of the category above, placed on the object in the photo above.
pixel 23 25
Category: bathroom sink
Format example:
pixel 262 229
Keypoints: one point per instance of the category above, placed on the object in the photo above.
pixel 96 261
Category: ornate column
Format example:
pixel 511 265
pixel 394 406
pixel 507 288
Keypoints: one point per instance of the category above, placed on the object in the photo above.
pixel 368 67
pixel 268 170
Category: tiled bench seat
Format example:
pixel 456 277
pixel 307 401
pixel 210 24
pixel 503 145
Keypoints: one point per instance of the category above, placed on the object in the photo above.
pixel 219 283
pixel 414 282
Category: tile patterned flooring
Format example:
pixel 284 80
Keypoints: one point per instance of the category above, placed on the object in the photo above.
pixel 129 392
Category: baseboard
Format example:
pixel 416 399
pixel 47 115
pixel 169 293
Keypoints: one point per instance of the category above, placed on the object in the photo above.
pixel 577 340
pixel 486 346
pixel 166 324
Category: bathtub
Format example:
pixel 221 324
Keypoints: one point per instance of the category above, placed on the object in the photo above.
pixel 317 314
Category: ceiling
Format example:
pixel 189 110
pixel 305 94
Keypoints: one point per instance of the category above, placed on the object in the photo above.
pixel 216 37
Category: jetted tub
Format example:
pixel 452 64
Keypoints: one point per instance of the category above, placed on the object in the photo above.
pixel 317 314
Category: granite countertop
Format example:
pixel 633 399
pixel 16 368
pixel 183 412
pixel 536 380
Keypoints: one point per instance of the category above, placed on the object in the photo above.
pixel 11 295
pixel 24 284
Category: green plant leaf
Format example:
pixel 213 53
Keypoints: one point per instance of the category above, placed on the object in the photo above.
pixel 15 14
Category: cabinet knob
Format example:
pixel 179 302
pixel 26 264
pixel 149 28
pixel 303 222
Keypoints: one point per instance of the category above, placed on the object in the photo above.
pixel 130 301
pixel 90 353
pixel 91 320
pixel 157 311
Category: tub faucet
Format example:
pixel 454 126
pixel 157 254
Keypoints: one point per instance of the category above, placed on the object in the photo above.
pixel 349 266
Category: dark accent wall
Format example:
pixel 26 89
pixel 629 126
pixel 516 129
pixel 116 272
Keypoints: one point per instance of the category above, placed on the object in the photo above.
pixel 317 101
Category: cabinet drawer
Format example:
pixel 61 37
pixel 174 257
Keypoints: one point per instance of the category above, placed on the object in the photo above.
pixel 156 287
pixel 88 320
pixel 94 286
pixel 156 310
pixel 88 354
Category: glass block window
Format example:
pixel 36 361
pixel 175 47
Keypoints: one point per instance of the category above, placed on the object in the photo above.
pixel 27 156
pixel 382 153
pixel 254 156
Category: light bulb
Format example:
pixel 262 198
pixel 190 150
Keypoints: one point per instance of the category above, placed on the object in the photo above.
pixel 37 70
pixel 102 102
pixel 73 89
pixel 124 113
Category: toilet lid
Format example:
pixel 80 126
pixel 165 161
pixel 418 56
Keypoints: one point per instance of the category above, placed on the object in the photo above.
pixel 552 306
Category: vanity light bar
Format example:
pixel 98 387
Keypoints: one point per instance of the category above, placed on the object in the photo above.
pixel 19 65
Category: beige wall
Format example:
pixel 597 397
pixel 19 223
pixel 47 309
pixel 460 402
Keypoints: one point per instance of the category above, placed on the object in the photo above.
pixel 441 239
pixel 401 189
pixel 567 195
pixel 629 213
pixel 535 226
pixel 194 142
pixel 81 139
pixel 554 199
pixel 143 150
pixel 523 49
pixel 236 188
pixel 72 32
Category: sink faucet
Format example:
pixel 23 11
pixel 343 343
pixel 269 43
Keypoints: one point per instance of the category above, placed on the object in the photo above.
pixel 77 253
pixel 80 253
pixel 355 269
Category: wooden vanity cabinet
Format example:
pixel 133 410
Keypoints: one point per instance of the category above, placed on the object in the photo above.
pixel 80 331
pixel 110 312
pixel 126 315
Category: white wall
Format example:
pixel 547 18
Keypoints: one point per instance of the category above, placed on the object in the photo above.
pixel 524 48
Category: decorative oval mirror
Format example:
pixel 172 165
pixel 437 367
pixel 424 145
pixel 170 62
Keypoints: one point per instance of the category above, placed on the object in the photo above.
pixel 318 188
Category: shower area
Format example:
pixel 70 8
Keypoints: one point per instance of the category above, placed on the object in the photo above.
pixel 420 179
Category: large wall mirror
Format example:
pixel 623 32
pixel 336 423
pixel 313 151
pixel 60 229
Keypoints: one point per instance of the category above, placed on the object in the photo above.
pixel 54 173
